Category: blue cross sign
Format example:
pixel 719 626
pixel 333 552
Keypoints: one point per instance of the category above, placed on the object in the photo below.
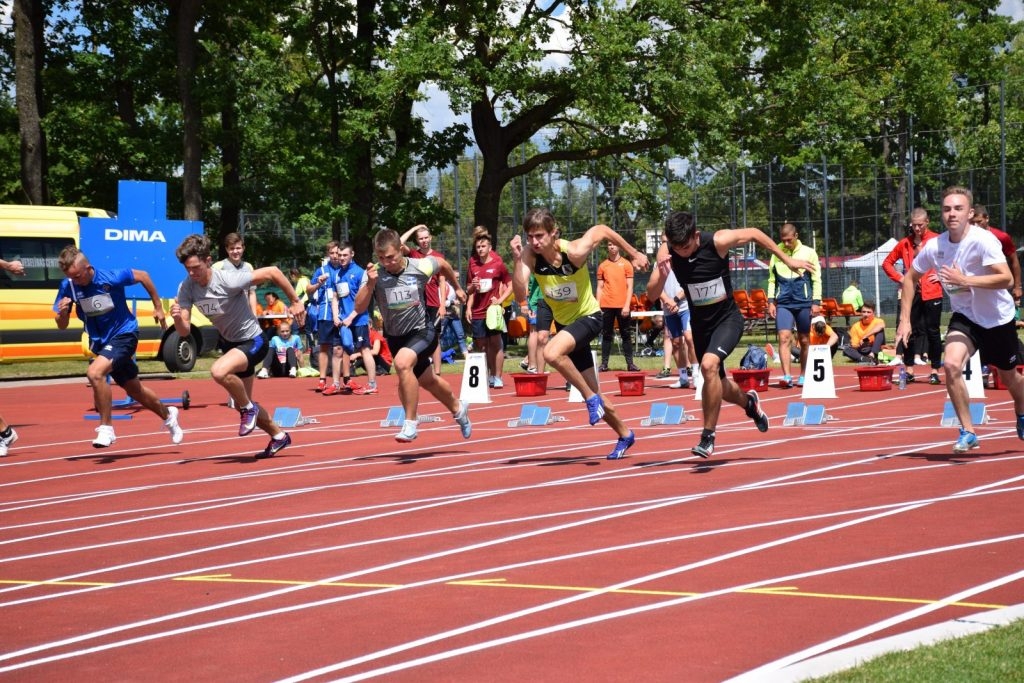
pixel 140 237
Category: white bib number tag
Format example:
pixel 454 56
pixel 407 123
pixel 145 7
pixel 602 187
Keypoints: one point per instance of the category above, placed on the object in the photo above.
pixel 402 296
pixel 210 307
pixel 707 293
pixel 563 292
pixel 343 290
pixel 97 304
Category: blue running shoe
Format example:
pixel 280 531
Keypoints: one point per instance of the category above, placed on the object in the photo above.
pixel 248 419
pixel 274 447
pixel 967 441
pixel 800 381
pixel 462 418
pixel 622 445
pixel 595 408
pixel 1020 426
pixel 786 382
pixel 755 413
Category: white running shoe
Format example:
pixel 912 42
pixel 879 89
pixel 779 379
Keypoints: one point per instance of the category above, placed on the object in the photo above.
pixel 498 384
pixel 262 374
pixel 7 442
pixel 462 418
pixel 410 430
pixel 172 425
pixel 104 436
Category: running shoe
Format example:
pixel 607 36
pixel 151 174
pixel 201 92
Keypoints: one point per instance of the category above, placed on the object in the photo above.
pixel 1020 428
pixel 622 445
pixel 920 361
pixel 498 384
pixel 292 372
pixel 524 364
pixel 409 431
pixel 603 367
pixel 172 425
pixel 632 368
pixel 321 384
pixel 462 418
pixel 360 390
pixel 275 446
pixel 248 422
pixel 755 413
pixel 332 390
pixel 786 382
pixel 910 378
pixel 933 378
pixel 769 351
pixel 595 409
pixel 665 373
pixel 800 381
pixel 967 441
pixel 7 441
pixel 104 437
pixel 531 371
pixel 262 374
pixel 706 447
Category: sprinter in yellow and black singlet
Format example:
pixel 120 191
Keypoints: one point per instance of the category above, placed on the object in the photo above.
pixel 560 267
pixel 700 262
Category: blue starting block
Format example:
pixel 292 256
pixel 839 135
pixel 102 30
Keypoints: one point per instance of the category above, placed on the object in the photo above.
pixel 113 416
pixel 802 415
pixel 291 417
pixel 531 415
pixel 128 402
pixel 665 414
pixel 396 417
pixel 979 415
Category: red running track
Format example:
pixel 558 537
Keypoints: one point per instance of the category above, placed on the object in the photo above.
pixel 520 554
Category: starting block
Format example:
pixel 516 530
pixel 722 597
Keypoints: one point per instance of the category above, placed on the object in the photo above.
pixel 802 415
pixel 531 415
pixel 664 414
pixel 979 415
pixel 185 401
pixel 113 416
pixel 396 416
pixel 291 417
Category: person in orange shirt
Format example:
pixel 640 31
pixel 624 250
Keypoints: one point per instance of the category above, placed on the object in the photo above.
pixel 614 293
pixel 866 336
pixel 821 334
pixel 926 309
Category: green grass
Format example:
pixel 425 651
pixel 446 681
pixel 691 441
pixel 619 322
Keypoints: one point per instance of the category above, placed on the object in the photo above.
pixel 996 655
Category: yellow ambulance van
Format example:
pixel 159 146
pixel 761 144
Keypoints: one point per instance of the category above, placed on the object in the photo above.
pixel 35 235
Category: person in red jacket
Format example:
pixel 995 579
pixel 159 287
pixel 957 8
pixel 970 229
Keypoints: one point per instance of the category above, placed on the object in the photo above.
pixel 926 309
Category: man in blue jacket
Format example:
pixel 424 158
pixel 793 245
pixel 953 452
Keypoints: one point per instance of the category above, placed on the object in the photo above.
pixel 794 297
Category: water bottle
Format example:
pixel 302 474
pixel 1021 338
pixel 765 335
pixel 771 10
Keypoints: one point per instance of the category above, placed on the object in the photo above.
pixel 903 377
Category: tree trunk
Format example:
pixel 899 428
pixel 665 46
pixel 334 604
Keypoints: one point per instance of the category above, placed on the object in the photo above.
pixel 361 216
pixel 183 17
pixel 230 158
pixel 29 16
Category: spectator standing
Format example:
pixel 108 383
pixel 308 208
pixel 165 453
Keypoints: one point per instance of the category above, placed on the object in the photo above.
pixel 700 262
pixel 676 321
pixel 222 295
pixel 98 299
pixel 437 287
pixel 614 293
pixel 354 326
pixel 398 285
pixel 794 297
pixel 926 306
pixel 322 289
pixel 488 282
pixel 972 269
pixel 866 336
pixel 1006 244
pixel 234 246
pixel 453 319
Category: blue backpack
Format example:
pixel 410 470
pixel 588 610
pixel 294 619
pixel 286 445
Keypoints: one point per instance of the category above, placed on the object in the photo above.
pixel 754 359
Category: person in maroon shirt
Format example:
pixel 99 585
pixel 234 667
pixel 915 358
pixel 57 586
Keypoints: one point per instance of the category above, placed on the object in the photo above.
pixel 437 288
pixel 980 218
pixel 487 282
pixel 926 309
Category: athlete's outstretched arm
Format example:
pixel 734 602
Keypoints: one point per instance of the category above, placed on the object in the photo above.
pixel 730 239
pixel 579 249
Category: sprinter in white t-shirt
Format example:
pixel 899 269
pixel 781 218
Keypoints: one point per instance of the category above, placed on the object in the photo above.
pixel 973 271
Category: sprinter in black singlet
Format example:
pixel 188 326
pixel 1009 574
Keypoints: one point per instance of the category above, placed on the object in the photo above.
pixel 700 262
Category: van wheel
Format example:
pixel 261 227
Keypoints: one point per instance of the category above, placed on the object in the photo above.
pixel 179 353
